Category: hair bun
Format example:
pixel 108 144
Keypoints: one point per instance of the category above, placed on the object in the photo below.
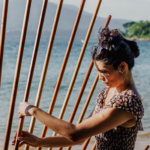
pixel 108 39
pixel 133 46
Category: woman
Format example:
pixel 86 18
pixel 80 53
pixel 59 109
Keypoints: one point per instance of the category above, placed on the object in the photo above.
pixel 117 115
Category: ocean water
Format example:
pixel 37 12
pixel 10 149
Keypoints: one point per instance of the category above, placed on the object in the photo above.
pixel 141 74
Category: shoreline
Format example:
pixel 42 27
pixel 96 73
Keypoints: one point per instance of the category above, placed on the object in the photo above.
pixel 140 144
pixel 138 39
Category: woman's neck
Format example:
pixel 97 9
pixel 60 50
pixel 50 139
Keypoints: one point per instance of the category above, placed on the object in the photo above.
pixel 128 83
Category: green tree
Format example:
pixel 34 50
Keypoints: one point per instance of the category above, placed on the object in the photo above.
pixel 139 29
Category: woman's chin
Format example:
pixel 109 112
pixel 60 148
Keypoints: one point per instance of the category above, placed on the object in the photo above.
pixel 107 85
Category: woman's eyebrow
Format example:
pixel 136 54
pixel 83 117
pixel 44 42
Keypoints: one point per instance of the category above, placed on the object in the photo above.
pixel 100 69
pixel 96 68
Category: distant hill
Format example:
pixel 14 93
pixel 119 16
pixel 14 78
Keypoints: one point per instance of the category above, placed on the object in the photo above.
pixel 137 30
pixel 67 19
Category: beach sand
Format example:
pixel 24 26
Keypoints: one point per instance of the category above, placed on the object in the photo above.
pixel 141 144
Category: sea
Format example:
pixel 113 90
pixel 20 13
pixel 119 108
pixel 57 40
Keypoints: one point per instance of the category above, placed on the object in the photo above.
pixel 141 75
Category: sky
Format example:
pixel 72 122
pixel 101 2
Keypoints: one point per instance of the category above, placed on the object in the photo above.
pixel 135 10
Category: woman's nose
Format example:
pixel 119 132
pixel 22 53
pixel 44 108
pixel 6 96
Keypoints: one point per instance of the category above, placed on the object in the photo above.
pixel 101 77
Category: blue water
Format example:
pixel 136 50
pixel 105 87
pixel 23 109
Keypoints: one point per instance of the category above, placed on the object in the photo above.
pixel 141 74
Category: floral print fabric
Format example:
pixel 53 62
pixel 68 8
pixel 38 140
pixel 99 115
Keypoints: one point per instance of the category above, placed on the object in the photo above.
pixel 120 138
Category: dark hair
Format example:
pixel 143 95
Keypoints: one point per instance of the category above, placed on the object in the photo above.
pixel 114 49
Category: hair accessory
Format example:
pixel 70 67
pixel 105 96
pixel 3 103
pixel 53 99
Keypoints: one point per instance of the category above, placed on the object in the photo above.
pixel 119 71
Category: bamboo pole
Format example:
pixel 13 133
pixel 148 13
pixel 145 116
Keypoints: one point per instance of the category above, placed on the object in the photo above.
pixel 32 66
pixel 2 34
pixel 17 74
pixel 64 65
pixel 78 63
pixel 45 68
pixel 93 148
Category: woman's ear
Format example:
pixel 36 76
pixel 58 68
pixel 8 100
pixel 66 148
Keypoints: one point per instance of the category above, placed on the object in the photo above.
pixel 122 67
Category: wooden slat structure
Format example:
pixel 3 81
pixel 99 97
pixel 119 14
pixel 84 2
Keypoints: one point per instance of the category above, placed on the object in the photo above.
pixel 45 68
pixel 47 58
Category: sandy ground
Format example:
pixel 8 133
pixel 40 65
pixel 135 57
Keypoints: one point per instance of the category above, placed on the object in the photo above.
pixel 141 143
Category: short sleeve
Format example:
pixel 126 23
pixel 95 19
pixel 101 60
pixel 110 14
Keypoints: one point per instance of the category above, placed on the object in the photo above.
pixel 129 102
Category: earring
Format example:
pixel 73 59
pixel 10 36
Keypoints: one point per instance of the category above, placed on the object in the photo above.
pixel 119 71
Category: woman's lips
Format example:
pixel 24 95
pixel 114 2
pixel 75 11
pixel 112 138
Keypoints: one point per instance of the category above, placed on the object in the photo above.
pixel 105 83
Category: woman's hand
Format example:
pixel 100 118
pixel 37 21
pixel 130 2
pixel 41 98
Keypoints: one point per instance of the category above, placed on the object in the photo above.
pixel 26 138
pixel 22 109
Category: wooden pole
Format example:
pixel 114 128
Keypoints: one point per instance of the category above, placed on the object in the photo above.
pixel 94 147
pixel 83 87
pixel 78 63
pixel 88 99
pixel 2 34
pixel 80 95
pixel 85 107
pixel 17 74
pixel 86 78
pixel 32 66
pixel 147 147
pixel 64 65
pixel 86 144
pixel 46 63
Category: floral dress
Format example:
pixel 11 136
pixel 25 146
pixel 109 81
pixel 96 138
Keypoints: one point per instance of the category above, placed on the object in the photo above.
pixel 120 138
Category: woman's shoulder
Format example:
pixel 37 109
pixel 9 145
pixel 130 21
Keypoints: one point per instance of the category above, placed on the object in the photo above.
pixel 127 97
pixel 131 96
pixel 133 93
pixel 130 101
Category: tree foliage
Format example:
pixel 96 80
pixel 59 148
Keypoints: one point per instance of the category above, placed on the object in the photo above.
pixel 128 24
pixel 139 29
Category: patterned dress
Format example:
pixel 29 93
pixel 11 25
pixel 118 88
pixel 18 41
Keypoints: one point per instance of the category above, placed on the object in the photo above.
pixel 120 138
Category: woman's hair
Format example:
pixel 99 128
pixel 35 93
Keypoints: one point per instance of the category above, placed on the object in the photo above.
pixel 112 49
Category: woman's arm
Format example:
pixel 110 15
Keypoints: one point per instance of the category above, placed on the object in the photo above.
pixel 58 141
pixel 91 113
pixel 32 140
pixel 98 123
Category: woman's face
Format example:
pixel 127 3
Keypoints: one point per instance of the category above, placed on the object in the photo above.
pixel 109 76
